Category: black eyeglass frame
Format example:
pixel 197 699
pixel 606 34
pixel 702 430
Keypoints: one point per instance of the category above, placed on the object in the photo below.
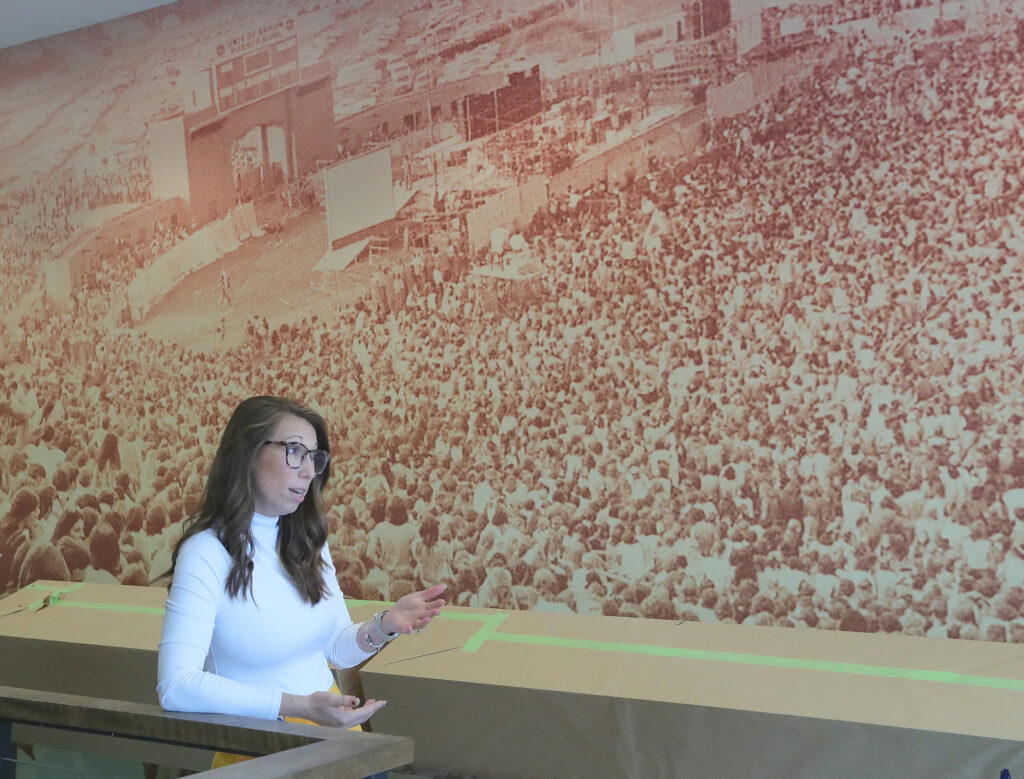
pixel 290 446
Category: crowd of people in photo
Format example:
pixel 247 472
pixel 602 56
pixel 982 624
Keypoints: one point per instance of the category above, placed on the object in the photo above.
pixel 777 387
pixel 39 219
pixel 114 269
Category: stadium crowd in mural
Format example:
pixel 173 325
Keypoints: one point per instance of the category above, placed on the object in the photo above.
pixel 777 387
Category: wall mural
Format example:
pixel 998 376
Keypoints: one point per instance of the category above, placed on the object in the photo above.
pixel 686 311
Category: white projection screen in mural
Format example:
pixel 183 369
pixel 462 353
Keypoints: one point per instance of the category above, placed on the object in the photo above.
pixel 699 311
pixel 359 194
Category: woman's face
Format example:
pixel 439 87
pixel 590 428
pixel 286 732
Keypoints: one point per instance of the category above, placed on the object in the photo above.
pixel 277 488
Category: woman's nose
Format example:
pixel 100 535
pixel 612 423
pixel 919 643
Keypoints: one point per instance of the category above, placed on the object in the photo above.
pixel 306 469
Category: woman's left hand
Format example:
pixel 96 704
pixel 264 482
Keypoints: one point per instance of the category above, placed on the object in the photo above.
pixel 414 611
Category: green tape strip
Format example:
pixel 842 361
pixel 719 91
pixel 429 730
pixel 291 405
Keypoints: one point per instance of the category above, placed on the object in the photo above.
pixel 889 672
pixel 492 622
pixel 54 597
pixel 486 631
pixel 157 610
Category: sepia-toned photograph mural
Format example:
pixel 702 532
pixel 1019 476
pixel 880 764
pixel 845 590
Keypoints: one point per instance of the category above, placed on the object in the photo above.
pixel 697 310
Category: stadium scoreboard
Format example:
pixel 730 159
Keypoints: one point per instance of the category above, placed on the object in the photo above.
pixel 258 63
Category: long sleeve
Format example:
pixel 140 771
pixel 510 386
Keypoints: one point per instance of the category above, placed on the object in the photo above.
pixel 185 644
pixel 344 651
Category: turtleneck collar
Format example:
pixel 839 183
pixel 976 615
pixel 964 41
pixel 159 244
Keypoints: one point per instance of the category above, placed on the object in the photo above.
pixel 259 520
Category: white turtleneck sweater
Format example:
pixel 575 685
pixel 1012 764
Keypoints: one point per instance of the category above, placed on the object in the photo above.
pixel 238 655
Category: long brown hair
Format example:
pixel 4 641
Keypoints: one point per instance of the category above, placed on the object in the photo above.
pixel 228 503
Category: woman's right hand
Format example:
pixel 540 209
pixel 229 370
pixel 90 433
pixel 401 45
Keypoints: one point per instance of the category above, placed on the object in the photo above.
pixel 330 709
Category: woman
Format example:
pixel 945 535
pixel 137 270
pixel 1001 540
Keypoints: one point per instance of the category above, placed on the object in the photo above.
pixel 254 612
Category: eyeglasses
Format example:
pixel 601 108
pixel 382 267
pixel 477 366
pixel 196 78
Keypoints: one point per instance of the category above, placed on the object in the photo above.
pixel 295 454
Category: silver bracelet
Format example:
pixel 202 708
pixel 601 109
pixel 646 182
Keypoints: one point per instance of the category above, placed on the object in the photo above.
pixel 378 623
pixel 379 619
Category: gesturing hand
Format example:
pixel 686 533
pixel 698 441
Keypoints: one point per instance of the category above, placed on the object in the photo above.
pixel 330 709
pixel 415 610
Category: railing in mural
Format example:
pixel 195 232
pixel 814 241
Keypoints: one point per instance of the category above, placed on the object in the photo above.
pixel 280 749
